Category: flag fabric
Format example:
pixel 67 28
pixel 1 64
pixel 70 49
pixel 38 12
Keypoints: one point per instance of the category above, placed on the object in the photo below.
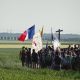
pixel 41 32
pixel 52 37
pixel 47 45
pixel 31 32
pixel 37 42
pixel 51 34
pixel 27 34
pixel 55 42
pixel 23 36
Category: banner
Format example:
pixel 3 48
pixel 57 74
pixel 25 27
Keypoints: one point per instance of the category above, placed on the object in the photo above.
pixel 27 34
pixel 37 42
pixel 55 42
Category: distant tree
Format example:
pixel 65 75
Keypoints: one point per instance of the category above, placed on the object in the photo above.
pixel 15 38
pixel 4 38
pixel 1 37
pixel 11 38
pixel 8 38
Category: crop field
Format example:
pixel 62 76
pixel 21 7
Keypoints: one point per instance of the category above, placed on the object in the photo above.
pixel 11 69
pixel 18 44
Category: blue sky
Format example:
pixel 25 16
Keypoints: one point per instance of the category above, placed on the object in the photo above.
pixel 18 15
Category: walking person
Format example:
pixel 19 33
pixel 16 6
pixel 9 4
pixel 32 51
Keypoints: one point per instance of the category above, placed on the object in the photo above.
pixel 34 59
pixel 22 56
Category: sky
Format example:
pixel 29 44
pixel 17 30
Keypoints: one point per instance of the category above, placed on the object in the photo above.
pixel 18 15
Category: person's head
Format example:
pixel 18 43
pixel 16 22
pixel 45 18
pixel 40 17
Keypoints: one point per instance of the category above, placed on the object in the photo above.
pixel 56 53
pixel 72 48
pixel 23 48
pixel 29 49
pixel 26 48
pixel 33 50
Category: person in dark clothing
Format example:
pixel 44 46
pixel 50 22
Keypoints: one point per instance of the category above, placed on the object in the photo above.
pixel 26 51
pixel 63 60
pixel 68 60
pixel 22 56
pixel 77 60
pixel 40 58
pixel 34 59
pixel 57 61
pixel 28 58
pixel 48 57
pixel 73 63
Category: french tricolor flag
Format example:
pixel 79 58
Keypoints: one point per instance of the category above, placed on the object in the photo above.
pixel 27 34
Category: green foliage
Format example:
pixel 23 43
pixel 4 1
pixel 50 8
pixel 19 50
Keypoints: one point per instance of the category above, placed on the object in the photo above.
pixel 11 69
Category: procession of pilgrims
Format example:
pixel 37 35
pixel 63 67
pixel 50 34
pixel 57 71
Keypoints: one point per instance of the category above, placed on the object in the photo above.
pixel 61 58
pixel 50 56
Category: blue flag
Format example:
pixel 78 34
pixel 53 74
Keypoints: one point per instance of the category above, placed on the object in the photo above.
pixel 31 32
pixel 52 38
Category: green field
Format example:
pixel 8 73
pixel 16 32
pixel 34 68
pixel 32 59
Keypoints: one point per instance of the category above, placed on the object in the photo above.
pixel 11 69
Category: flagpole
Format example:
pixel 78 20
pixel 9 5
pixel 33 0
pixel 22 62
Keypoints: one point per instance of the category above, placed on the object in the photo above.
pixel 51 36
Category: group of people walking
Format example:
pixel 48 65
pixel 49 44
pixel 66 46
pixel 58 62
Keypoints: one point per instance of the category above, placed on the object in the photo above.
pixel 64 58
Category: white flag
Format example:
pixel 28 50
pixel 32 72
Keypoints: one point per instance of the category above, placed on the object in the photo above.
pixel 37 42
pixel 56 42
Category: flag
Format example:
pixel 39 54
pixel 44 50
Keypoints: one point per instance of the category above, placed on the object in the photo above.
pixel 41 32
pixel 31 32
pixel 27 34
pixel 55 42
pixel 23 36
pixel 37 42
pixel 47 45
pixel 51 34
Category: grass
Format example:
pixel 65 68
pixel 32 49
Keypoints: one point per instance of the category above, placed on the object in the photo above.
pixel 37 74
pixel 11 69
